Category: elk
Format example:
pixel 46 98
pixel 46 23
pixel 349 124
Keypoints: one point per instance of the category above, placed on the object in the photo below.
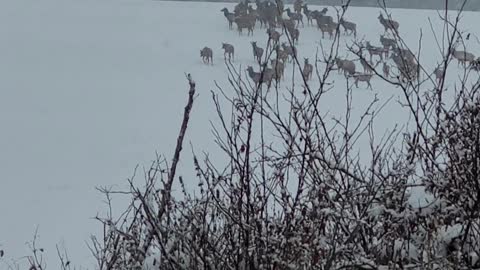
pixel 387 42
pixel 367 66
pixel 408 69
pixel 295 34
pixel 308 14
pixel 245 22
pixel 406 54
pixel 279 68
pixel 475 65
pixel 330 28
pixel 289 50
pixel 230 17
pixel 362 77
pixel 281 54
pixel 372 50
pixel 288 23
pixel 388 24
pixel 228 50
pixel 260 77
pixel 463 57
pixel 207 55
pixel 321 18
pixel 349 26
pixel 439 74
pixel 298 17
pixel 307 70
pixel 386 70
pixel 257 52
pixel 297 6
pixel 346 66
pixel 273 35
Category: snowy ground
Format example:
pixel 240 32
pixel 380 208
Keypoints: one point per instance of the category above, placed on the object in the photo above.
pixel 91 88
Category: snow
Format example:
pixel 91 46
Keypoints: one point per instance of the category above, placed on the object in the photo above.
pixel 89 89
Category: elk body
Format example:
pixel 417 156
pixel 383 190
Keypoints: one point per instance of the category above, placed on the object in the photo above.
pixel 273 35
pixel 298 17
pixel 367 66
pixel 308 14
pixel 307 70
pixel 347 66
pixel 245 22
pixel 463 57
pixel 388 24
pixel 260 77
pixel 207 55
pixel 294 34
pixel 230 17
pixel 439 74
pixel 281 54
pixel 329 28
pixel 372 50
pixel 321 18
pixel 408 69
pixel 228 50
pixel 349 27
pixel 257 52
pixel 289 50
pixel 387 43
pixel 362 77
pixel 278 68
pixel 386 70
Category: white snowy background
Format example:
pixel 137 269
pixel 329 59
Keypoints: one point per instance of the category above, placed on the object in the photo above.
pixel 89 89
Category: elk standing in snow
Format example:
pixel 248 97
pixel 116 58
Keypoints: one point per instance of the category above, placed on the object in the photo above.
pixel 389 24
pixel 257 52
pixel 229 51
pixel 230 17
pixel 362 77
pixel 346 66
pixel 349 26
pixel 307 70
pixel 298 17
pixel 207 55
pixel 386 70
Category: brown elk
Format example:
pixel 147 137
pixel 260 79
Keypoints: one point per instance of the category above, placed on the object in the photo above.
pixel 387 43
pixel 308 14
pixel 298 17
pixel 307 70
pixel 346 66
pixel 207 55
pixel 362 77
pixel 463 57
pixel 439 74
pixel 297 6
pixel 260 77
pixel 289 50
pixel 279 68
pixel 388 24
pixel 229 51
pixel 386 70
pixel 245 22
pixel 273 35
pixel 257 52
pixel 281 54
pixel 330 28
pixel 230 17
pixel 294 34
pixel 372 50
pixel 367 66
pixel 349 26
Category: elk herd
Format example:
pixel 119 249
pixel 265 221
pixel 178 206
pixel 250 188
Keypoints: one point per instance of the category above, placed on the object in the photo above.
pixel 279 21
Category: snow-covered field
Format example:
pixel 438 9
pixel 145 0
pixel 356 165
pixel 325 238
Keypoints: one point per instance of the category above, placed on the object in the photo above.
pixel 91 88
